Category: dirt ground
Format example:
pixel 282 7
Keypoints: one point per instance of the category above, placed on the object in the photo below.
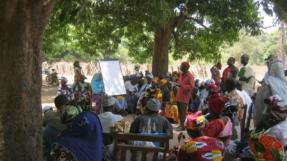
pixel 48 94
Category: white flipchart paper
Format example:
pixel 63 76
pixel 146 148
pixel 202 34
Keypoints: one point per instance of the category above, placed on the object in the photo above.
pixel 112 77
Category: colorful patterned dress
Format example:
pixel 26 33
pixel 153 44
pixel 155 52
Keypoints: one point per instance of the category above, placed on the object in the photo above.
pixel 201 149
pixel 265 147
pixel 171 110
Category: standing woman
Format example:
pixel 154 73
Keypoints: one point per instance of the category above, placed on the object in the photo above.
pixel 77 68
pixel 82 92
pixel 185 86
pixel 97 85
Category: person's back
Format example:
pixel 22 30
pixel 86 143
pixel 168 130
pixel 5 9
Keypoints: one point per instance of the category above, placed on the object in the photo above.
pixel 151 122
pixel 198 147
pixel 52 119
pixel 53 125
pixel 108 118
pixel 201 149
pixel 218 126
pixel 82 141
pixel 151 125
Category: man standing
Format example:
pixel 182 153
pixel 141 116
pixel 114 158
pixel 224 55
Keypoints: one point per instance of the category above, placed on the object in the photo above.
pixel 185 88
pixel 246 76
pixel 230 72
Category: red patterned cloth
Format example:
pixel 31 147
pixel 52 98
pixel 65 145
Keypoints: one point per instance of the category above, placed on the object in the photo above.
pixel 226 73
pixel 213 128
pixel 201 149
pixel 213 89
pixel 216 104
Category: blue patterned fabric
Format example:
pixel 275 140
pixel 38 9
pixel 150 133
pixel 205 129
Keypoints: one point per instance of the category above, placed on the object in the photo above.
pixel 84 138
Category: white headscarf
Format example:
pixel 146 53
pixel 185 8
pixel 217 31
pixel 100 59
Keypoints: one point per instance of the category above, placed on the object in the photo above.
pixel 277 81
pixel 274 83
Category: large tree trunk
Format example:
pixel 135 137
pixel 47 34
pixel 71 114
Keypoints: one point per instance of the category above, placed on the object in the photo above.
pixel 160 50
pixel 22 24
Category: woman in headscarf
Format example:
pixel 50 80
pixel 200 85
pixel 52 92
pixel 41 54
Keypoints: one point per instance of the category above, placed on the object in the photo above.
pixel 218 126
pixel 198 147
pixel 97 90
pixel 215 73
pixel 82 92
pixel 82 141
pixel 171 110
pixel 77 68
pixel 274 83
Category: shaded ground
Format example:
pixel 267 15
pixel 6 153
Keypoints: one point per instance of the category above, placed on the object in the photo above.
pixel 48 94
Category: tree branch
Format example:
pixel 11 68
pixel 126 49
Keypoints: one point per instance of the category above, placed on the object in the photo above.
pixel 178 21
pixel 197 21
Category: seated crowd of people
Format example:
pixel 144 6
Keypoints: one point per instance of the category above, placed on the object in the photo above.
pixel 224 117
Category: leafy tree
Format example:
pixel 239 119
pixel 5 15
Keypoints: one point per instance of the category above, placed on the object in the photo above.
pixel 156 28
pixel 258 47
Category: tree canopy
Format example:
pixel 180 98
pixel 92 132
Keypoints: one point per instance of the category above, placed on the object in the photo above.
pixel 195 28
pixel 257 47
pixel 278 6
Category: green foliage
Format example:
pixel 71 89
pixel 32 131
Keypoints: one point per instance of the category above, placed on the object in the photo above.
pixel 224 20
pixel 74 29
pixel 106 27
pixel 276 155
pixel 258 47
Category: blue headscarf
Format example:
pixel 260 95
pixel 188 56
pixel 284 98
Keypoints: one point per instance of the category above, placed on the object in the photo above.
pixel 84 138
pixel 97 84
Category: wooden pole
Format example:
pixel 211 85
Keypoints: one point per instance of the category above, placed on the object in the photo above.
pixel 283 41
